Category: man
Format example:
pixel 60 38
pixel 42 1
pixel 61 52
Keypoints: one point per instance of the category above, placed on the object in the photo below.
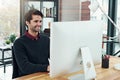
pixel 31 51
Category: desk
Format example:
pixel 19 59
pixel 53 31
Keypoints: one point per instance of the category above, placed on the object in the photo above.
pixel 3 49
pixel 102 74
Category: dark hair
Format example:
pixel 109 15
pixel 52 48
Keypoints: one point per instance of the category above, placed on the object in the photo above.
pixel 28 15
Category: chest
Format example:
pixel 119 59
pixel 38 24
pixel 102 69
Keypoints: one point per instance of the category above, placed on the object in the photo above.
pixel 36 49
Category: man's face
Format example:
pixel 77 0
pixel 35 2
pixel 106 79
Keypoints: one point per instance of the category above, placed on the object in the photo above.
pixel 35 24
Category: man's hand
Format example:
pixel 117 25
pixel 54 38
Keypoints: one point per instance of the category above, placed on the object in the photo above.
pixel 48 68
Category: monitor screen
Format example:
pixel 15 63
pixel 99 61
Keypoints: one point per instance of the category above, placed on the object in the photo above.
pixel 67 38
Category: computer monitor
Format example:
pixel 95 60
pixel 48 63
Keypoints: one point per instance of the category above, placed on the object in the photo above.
pixel 66 38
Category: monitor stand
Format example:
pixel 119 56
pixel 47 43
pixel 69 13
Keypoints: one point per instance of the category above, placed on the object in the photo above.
pixel 88 66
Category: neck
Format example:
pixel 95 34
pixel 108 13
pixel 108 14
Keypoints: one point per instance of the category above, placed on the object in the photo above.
pixel 33 33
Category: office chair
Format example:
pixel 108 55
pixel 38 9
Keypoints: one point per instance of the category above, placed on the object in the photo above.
pixel 15 66
pixel 47 32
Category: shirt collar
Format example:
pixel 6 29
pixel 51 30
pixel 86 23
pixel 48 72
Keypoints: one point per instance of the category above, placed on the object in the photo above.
pixel 32 37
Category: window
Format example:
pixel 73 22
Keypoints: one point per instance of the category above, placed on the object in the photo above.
pixel 9 18
pixel 118 13
pixel 99 15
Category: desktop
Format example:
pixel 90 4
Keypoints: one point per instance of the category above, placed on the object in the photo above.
pixel 67 38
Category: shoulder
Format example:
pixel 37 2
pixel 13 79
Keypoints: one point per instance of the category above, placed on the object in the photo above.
pixel 20 39
pixel 42 35
pixel 44 38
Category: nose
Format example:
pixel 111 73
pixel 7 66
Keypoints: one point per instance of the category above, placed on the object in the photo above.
pixel 39 23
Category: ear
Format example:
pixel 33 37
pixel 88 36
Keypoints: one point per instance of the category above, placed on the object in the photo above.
pixel 27 23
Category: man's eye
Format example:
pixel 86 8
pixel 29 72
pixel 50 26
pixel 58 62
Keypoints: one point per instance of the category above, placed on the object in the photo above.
pixel 40 21
pixel 35 21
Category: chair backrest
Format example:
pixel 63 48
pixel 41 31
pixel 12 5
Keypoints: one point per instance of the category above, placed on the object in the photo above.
pixel 47 32
pixel 15 66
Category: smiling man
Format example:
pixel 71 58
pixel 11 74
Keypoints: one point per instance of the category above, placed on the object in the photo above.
pixel 31 51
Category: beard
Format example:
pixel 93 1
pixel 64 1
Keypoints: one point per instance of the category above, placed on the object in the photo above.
pixel 36 29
